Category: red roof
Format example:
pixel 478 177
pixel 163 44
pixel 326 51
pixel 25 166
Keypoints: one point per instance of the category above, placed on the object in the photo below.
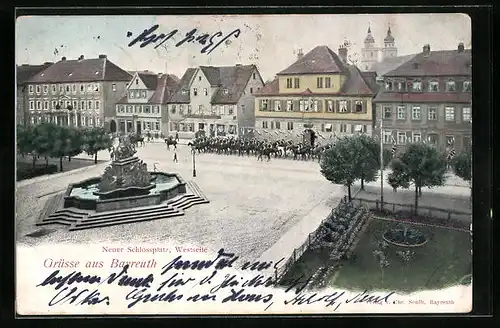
pixel 430 97
pixel 165 87
pixel 319 60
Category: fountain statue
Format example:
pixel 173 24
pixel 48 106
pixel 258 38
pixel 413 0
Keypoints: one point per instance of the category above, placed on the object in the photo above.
pixel 127 175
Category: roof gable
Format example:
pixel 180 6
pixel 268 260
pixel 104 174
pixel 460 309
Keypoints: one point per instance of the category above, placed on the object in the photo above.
pixel 232 82
pixel 25 72
pixel 319 60
pixel 181 94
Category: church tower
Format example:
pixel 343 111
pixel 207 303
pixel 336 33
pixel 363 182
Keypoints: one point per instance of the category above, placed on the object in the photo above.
pixel 389 49
pixel 369 53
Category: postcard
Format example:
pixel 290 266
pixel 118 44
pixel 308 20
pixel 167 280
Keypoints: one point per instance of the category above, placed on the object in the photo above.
pixel 243 164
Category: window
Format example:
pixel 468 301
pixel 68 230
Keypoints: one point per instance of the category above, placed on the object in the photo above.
pixel 75 104
pixel 222 110
pixel 387 137
pixel 84 120
pixel 467 86
pixel 315 105
pixel 319 82
pixel 38 105
pixel 450 86
pixel 98 121
pixel 401 138
pixel 91 121
pixel 61 88
pixel 432 114
pixel 449 114
pixel 302 106
pixel 263 104
pixel 328 127
pixel 417 86
pixel 401 113
pixel 433 86
pixel 195 92
pixel 264 124
pixel 251 90
pixel 253 76
pixel 155 109
pixel 387 112
pixel 289 82
pixel 189 109
pixel 231 110
pixel 157 126
pixel 54 103
pixel 143 94
pixel 296 83
pixel 450 141
pixel 415 113
pixel 67 88
pixel 205 91
pixel 401 85
pixel 89 104
pixel 190 127
pixel 30 88
pixel 184 92
pixel 37 89
pixel 328 82
pixel 416 136
pixel 329 106
pixel 359 106
pixel 73 88
pixel 32 120
pixel 343 128
pixel 129 109
pixel 278 125
pixel 132 94
pixel 289 125
pixel 113 87
pixel 226 91
pixel 45 89
pixel 343 106
pixel 277 105
pixel 289 106
pixel 388 85
pixel 82 88
pixel 466 114
pixel 83 105
pixel 32 105
pixel 45 105
pixel 136 81
pixel 147 109
pixel 97 104
pixel 54 88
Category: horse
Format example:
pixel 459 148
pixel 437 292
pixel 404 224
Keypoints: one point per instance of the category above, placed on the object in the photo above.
pixel 137 139
pixel 169 141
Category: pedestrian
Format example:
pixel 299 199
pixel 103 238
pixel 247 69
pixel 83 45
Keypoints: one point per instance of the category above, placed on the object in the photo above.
pixel 177 136
pixel 175 156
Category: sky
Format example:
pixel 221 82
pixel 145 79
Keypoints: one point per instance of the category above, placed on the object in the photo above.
pixel 268 41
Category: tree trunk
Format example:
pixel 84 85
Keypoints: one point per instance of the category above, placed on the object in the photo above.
pixel 362 181
pixel 34 162
pixel 69 158
pixel 349 192
pixel 416 198
pixel 46 162
pixel 60 164
pixel 420 191
pixel 95 158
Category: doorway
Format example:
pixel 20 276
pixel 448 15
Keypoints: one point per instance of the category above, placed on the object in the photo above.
pixel 112 126
pixel 139 127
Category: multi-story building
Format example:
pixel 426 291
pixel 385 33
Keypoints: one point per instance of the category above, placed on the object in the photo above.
pixel 319 92
pixel 428 99
pixel 216 100
pixel 23 74
pixel 371 54
pixel 80 92
pixel 143 108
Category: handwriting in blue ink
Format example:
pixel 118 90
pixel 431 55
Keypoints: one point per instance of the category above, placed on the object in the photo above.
pixel 210 42
pixel 76 297
pixel 221 261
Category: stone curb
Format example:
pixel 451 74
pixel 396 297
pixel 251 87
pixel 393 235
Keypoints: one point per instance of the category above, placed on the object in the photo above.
pixel 43 178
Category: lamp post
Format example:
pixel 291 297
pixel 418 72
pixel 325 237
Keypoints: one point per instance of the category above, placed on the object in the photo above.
pixel 70 109
pixel 471 166
pixel 193 151
pixel 381 160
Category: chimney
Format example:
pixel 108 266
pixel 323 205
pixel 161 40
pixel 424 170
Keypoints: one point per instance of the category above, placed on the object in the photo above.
pixel 461 47
pixel 343 54
pixel 160 75
pixel 300 54
pixel 102 56
pixel 63 59
pixel 81 57
pixel 426 50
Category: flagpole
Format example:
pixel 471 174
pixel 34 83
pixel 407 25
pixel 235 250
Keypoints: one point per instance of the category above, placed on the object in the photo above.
pixel 381 161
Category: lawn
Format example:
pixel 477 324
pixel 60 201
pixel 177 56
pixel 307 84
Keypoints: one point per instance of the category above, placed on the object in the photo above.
pixel 443 261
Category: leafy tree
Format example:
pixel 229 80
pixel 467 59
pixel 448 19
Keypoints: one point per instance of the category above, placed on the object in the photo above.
pixel 461 164
pixel 76 138
pixel 420 164
pixel 343 163
pixel 44 136
pixel 61 146
pixel 24 136
pixel 95 140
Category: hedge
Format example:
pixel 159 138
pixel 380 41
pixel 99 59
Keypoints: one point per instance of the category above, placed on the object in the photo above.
pixel 26 171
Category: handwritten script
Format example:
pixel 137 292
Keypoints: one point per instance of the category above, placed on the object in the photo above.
pixel 210 42
pixel 197 281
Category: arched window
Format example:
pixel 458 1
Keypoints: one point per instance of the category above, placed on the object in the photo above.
pixel 450 86
pixel 433 86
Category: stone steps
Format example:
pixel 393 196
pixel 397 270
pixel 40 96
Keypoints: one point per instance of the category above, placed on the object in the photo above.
pixel 132 217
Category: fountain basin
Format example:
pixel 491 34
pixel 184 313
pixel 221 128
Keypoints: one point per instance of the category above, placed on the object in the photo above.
pixel 86 196
pixel 405 238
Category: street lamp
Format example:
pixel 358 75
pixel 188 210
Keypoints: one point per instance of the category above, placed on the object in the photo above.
pixel 69 108
pixel 193 151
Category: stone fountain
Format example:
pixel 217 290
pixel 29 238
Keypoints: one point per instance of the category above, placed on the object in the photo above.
pixel 126 192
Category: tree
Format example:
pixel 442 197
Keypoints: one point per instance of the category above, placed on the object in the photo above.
pixel 371 164
pixel 420 164
pixel 462 164
pixel 76 138
pixel 24 136
pixel 95 140
pixel 62 144
pixel 343 162
pixel 44 136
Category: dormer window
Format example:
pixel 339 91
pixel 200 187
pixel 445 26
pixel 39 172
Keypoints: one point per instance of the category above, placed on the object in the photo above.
pixel 417 86
pixel 467 86
pixel 96 72
pixel 226 91
pixel 70 74
pixel 359 106
pixel 450 86
pixel 433 86
pixel 388 85
pixel 416 65
pixel 184 92
pixel 401 85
